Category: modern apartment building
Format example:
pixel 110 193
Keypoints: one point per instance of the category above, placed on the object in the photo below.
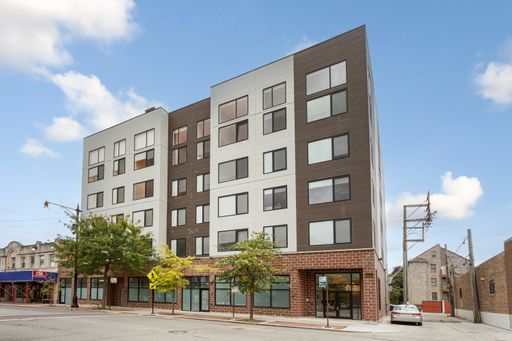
pixel 290 148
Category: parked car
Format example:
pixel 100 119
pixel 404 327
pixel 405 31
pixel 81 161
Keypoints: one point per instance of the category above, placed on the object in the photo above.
pixel 406 313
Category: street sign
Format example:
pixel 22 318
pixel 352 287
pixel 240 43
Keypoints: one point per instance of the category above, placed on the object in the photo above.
pixel 235 289
pixel 113 280
pixel 152 275
pixel 152 285
pixel 38 274
pixel 322 281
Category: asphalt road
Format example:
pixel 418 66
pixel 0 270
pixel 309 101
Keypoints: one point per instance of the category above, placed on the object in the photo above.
pixel 30 323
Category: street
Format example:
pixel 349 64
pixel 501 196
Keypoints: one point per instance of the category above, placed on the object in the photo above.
pixel 35 323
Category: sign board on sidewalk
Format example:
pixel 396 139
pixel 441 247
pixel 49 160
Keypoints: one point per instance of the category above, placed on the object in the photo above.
pixel 152 285
pixel 322 281
pixel 235 289
pixel 38 274
pixel 113 280
pixel 152 275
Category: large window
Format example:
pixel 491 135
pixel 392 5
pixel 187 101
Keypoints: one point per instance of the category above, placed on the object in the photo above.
pixel 144 139
pixel 144 159
pixel 95 200
pixel 179 136
pixel 275 296
pixel 179 247
pixel 278 235
pixel 118 195
pixel 117 217
pixel 166 297
pixel 274 121
pixel 179 156
pixel 233 133
pixel 492 287
pixel 119 148
pixel 326 78
pixel 96 173
pixel 143 189
pixel 202 246
pixel 274 161
pixel 203 128
pixel 119 166
pixel 96 156
pixel 178 217
pixel 326 106
pixel 226 239
pixel 329 190
pixel 203 150
pixel 433 281
pixel 234 204
pixel 274 95
pixel 233 109
pixel 234 169
pixel 138 289
pixel 433 268
pixel 330 232
pixel 274 198
pixel 203 182
pixel 328 149
pixel 81 288
pixel 178 187
pixel 143 218
pixel 224 296
pixel 97 288
pixel 202 214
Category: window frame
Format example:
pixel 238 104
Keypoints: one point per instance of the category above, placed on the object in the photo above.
pixel 205 155
pixel 330 80
pixel 177 181
pixel 117 145
pixel 97 206
pixel 203 134
pixel 178 131
pixel 273 235
pixel 202 176
pixel 270 289
pixel 236 169
pixel 331 105
pixel 237 239
pixel 178 149
pixel 231 284
pixel 236 109
pixel 273 198
pixel 272 96
pixel 273 121
pixel 177 210
pixel 236 204
pixel 146 211
pixel 140 285
pixel 98 160
pixel 183 240
pixel 146 159
pixel 332 148
pixel 202 214
pixel 98 167
pixel 96 289
pixel 492 287
pixel 333 231
pixel 119 161
pixel 237 127
pixel 333 188
pixel 116 189
pixel 274 161
pixel 145 189
pixel 202 254
pixel 146 144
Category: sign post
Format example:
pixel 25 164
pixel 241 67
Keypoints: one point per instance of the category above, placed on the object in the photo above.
pixel 153 276
pixel 234 290
pixel 322 283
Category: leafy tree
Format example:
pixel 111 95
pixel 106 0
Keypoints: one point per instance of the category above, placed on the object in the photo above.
pixel 396 296
pixel 251 268
pixel 105 245
pixel 47 289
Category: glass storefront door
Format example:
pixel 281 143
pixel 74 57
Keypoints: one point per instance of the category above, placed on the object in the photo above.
pixel 343 296
pixel 196 296
pixel 65 291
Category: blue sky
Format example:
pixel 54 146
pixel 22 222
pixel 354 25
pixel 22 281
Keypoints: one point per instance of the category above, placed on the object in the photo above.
pixel 442 70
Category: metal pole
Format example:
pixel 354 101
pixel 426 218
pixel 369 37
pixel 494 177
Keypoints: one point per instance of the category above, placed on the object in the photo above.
pixel 474 289
pixel 75 272
pixel 327 325
pixel 404 268
pixel 152 301
pixel 449 280
pixel 233 303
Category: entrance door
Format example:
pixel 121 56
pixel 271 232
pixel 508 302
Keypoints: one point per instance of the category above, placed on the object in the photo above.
pixel 196 296
pixel 343 296
pixel 339 304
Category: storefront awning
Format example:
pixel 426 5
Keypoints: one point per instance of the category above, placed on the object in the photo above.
pixel 27 276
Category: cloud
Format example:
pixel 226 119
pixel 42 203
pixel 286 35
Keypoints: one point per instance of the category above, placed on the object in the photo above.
pixel 35 33
pixel 456 201
pixel 304 43
pixel 64 129
pixel 35 149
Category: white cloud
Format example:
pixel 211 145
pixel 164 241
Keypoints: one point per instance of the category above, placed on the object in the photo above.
pixel 456 201
pixel 304 43
pixel 34 148
pixel 64 129
pixel 35 33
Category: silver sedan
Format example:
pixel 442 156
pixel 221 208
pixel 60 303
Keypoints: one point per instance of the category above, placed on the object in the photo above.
pixel 406 313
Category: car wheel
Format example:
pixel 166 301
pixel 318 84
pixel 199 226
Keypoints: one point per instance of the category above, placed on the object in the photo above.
pixel 419 323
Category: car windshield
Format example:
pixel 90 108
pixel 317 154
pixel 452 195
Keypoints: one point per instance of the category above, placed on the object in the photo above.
pixel 406 308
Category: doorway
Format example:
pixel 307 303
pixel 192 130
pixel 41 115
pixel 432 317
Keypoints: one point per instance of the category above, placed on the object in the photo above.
pixel 196 296
pixel 343 296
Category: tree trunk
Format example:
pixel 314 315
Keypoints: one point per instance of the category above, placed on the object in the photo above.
pixel 105 286
pixel 251 307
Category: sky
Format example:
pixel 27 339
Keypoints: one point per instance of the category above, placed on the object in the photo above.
pixel 443 83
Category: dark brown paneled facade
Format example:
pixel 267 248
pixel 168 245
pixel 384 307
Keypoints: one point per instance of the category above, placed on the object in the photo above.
pixel 188 116
pixel 349 47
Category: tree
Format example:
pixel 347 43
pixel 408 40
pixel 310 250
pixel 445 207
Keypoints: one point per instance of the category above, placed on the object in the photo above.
pixel 105 245
pixel 396 296
pixel 47 289
pixel 251 267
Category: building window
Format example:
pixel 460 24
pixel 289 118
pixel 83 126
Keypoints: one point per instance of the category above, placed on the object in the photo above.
pixel 492 287
pixel 81 288
pixel 178 187
pixel 118 195
pixel 275 198
pixel 274 121
pixel 434 296
pixel 329 190
pixel 117 218
pixel 166 297
pixel 233 133
pixel 203 128
pixel 23 263
pixel 234 169
pixel 328 149
pixel 97 288
pixel 326 78
pixel 138 289
pixel 178 217
pixel 144 159
pixel 433 281
pixel 95 200
pixel 41 261
pixel 203 182
pixel 233 204
pixel 96 156
pixel 224 296
pixel 119 166
pixel 460 292
pixel 433 268
pixel 274 95
pixel 143 218
pixel 274 161
pixel 202 214
pixel 143 189
pixel 233 109
pixel 179 247
pixel 202 246
pixel 327 106
pixel 278 235
pixel 434 255
pixel 179 136
pixel 53 262
pixel 119 148
pixel 32 261
pixel 203 150
pixel 179 156
pixel 330 232
pixel 96 173
pixel 144 139
pixel 227 239
pixel 277 295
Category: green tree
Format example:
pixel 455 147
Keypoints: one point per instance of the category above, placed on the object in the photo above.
pixel 47 289
pixel 396 296
pixel 251 267
pixel 105 245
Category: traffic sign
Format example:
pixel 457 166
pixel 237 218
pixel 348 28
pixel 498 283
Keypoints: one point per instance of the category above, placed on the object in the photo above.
pixel 152 275
pixel 152 285
pixel 322 281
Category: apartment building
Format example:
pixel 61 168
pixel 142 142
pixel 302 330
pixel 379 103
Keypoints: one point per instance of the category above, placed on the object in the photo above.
pixel 290 148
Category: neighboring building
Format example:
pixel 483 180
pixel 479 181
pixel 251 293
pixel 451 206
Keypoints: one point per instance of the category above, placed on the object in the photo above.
pixel 291 148
pixel 428 276
pixel 494 287
pixel 23 268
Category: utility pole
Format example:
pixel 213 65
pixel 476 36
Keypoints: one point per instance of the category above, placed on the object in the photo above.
pixel 476 305
pixel 448 279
